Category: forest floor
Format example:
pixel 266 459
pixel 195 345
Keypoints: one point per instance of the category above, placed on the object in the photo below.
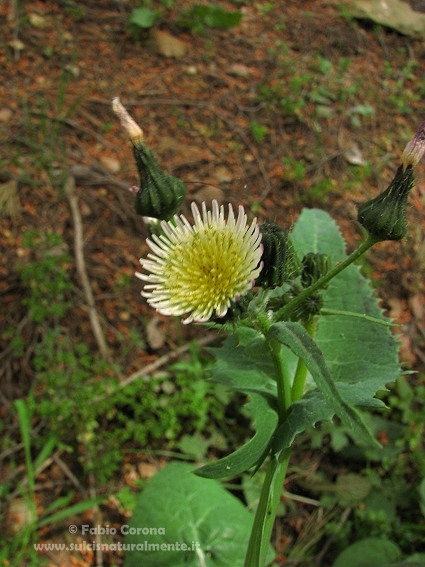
pixel 297 106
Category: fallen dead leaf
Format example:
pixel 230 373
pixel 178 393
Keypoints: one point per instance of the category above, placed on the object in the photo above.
pixel 37 21
pixel 154 336
pixel 239 70
pixel 416 304
pixel 110 163
pixel 9 202
pixel 208 194
pixel 5 114
pixel 147 470
pixel 166 44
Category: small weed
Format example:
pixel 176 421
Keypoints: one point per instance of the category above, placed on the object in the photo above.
pixel 258 131
pixel 40 142
pixel 199 18
pixel 74 10
pixel 25 519
pixel 387 501
pixel 293 170
pixel 320 191
pixel 77 394
pixel 45 277
pixel 264 8
pixel 357 112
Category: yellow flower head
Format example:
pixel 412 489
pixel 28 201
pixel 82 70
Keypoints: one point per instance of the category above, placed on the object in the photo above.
pixel 198 270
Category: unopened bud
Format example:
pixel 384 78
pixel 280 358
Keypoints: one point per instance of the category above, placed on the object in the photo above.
pixel 280 263
pixel 133 130
pixel 161 194
pixel 385 216
pixel 415 148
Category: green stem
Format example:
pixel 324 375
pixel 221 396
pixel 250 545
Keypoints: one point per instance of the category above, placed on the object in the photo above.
pixel 285 311
pixel 272 487
pixel 283 380
pixel 301 372
pixel 266 511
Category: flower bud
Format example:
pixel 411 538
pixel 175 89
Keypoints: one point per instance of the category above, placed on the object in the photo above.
pixel 313 267
pixel 160 195
pixel 385 216
pixel 280 263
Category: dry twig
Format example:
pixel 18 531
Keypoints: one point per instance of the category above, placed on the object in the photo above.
pixel 81 267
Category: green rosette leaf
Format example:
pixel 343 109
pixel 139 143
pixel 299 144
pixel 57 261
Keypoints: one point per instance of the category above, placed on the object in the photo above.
pixel 181 520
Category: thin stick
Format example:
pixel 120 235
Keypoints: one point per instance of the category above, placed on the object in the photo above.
pixel 81 267
pixel 327 545
pixel 64 468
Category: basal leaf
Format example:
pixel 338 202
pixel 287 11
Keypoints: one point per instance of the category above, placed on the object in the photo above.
pixel 369 552
pixel 296 338
pixel 265 421
pixel 197 522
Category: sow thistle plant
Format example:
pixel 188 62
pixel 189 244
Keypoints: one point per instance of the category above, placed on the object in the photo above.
pixel 305 341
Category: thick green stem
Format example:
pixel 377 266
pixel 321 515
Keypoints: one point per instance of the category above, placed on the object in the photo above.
pixel 266 511
pixel 272 488
pixel 301 372
pixel 285 311
pixel 283 380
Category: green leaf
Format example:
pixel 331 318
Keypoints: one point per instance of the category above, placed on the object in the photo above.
pixel 415 560
pixel 24 417
pixel 361 356
pixel 255 450
pixel 369 552
pixel 212 16
pixel 187 510
pixel 296 338
pixel 59 503
pixel 143 17
pixel 357 352
pixel 351 488
pixel 45 452
pixel 243 363
pixel 220 19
